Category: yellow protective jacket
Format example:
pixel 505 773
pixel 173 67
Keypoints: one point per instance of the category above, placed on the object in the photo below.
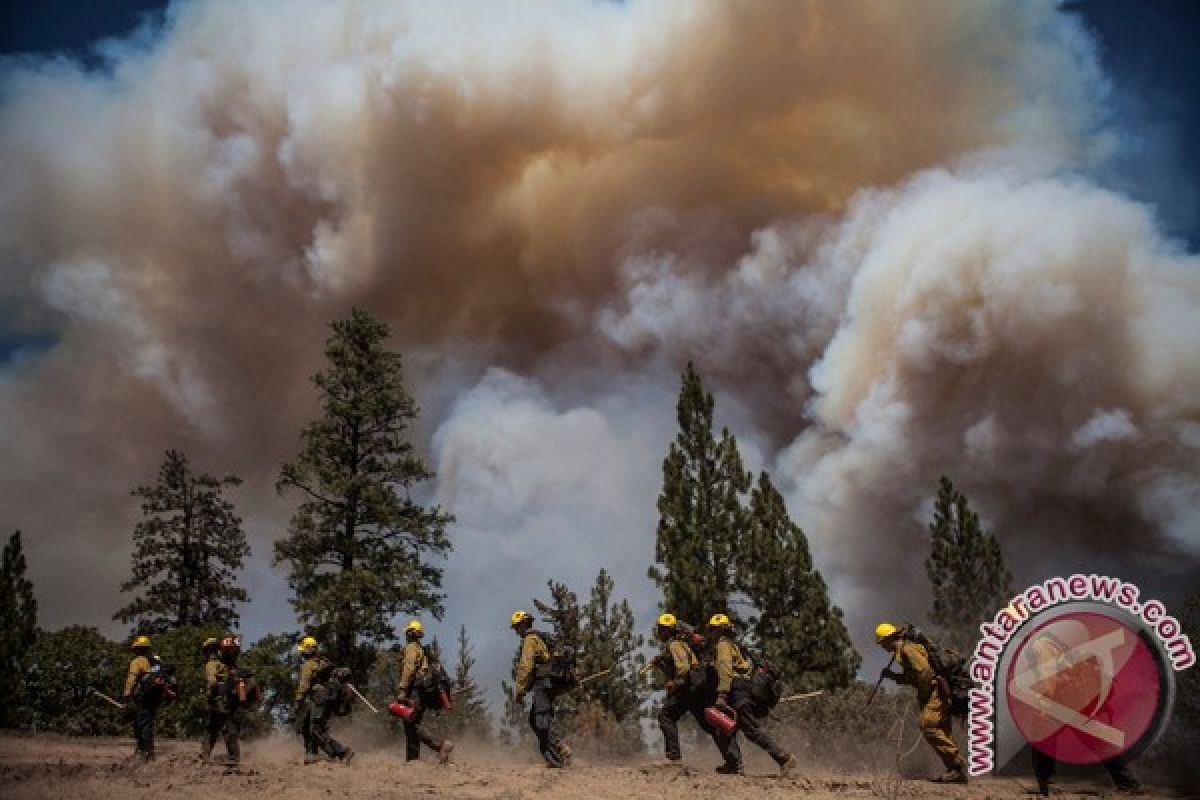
pixel 139 666
pixel 730 663
pixel 677 660
pixel 533 654
pixel 215 674
pixel 415 667
pixel 308 675
pixel 915 669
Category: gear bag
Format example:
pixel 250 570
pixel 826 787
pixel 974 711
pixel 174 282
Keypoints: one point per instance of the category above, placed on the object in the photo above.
pixel 434 687
pixel 241 690
pixel 158 686
pixel 339 700
pixel 949 667
pixel 560 669
pixel 766 687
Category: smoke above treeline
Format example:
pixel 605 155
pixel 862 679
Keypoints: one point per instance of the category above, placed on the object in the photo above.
pixel 871 226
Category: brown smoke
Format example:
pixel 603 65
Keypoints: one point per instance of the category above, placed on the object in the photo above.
pixel 557 204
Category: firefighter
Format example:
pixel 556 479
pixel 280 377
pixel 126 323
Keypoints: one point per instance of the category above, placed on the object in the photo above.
pixel 223 705
pixel 313 706
pixel 734 699
pixel 1046 655
pixel 143 705
pixel 532 677
pixel 935 719
pixel 413 676
pixel 211 650
pixel 685 679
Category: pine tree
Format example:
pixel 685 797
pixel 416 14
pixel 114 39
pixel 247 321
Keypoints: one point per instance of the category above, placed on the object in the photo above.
pixel 797 627
pixel 18 627
pixel 608 641
pixel 470 711
pixel 966 570
pixel 564 616
pixel 358 545
pixel 187 550
pixel 700 512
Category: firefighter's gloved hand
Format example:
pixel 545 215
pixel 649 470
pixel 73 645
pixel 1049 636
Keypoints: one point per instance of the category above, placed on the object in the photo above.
pixel 518 697
pixel 724 707
pixel 671 687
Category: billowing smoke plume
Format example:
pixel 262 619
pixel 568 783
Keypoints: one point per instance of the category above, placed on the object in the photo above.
pixel 869 224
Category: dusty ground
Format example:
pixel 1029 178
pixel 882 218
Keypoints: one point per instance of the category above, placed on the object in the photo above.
pixel 48 766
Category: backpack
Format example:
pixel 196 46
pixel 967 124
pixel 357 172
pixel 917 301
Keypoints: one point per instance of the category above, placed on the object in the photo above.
pixel 159 685
pixel 338 698
pixel 560 669
pixel 241 690
pixel 765 681
pixel 949 670
pixel 435 687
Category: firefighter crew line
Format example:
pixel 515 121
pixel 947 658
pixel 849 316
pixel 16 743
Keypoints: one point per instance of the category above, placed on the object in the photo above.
pixel 710 676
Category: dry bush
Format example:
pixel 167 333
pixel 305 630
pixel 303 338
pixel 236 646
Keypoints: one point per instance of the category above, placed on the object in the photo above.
pixel 598 735
pixel 840 730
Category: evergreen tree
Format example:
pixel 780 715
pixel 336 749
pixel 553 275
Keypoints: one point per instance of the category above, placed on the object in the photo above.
pixel 358 545
pixel 966 570
pixel 797 627
pixel 608 641
pixel 63 668
pixel 18 627
pixel 275 664
pixel 186 551
pixel 470 712
pixel 700 512
pixel 562 616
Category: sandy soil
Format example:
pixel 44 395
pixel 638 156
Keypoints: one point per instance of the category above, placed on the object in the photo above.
pixel 55 767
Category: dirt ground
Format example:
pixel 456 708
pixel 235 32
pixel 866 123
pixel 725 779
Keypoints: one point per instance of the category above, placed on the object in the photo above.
pixel 47 766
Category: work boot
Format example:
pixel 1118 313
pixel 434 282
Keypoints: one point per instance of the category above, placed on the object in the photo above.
pixel 564 754
pixel 1130 788
pixel 311 758
pixel 346 755
pixel 788 766
pixel 731 769
pixel 951 776
pixel 445 750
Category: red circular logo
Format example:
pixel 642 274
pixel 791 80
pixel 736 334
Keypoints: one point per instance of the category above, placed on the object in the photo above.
pixel 1083 688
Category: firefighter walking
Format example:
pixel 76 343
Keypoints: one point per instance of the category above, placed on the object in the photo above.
pixel 735 700
pixel 413 675
pixel 223 703
pixel 313 706
pixel 532 678
pixel 936 721
pixel 141 703
pixel 685 681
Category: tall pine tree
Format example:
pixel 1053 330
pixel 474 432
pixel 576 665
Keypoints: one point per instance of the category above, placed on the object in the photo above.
pixel 700 511
pixel 470 712
pixel 608 640
pixel 358 546
pixel 966 569
pixel 187 550
pixel 797 627
pixel 18 627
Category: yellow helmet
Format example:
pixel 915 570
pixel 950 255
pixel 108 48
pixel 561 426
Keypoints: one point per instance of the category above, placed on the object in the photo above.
pixel 667 621
pixel 719 621
pixel 414 627
pixel 141 641
pixel 885 630
pixel 307 645
pixel 209 643
pixel 520 616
